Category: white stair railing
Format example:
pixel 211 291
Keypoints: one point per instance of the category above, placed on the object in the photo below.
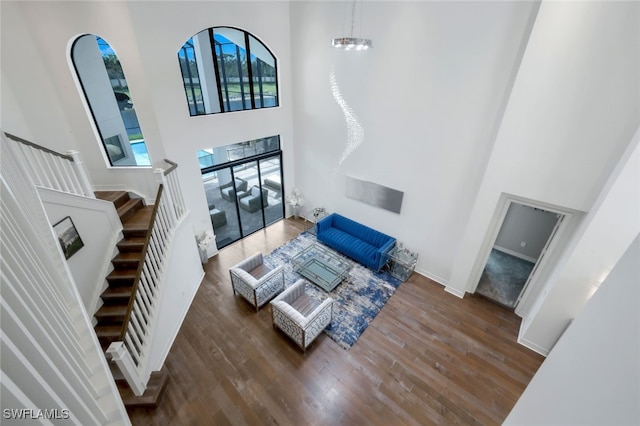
pixel 49 357
pixel 131 352
pixel 40 166
pixel 50 169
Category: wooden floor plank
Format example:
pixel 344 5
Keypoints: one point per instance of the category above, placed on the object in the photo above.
pixel 427 358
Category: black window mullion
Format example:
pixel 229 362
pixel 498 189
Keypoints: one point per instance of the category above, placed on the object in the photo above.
pixel 240 75
pixel 264 219
pixel 190 77
pixel 212 42
pixel 224 82
pixel 237 204
pixel 260 89
pixel 249 69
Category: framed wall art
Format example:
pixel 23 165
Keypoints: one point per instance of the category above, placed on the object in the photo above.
pixel 68 237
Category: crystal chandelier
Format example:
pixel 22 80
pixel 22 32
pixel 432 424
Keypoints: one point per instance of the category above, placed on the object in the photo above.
pixel 351 42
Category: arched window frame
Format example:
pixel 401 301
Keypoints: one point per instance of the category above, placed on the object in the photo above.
pixel 116 143
pixel 252 93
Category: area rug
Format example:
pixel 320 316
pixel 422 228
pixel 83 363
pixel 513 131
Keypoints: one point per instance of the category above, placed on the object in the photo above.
pixel 358 299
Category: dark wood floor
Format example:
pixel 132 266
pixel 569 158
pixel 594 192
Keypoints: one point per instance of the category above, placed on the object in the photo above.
pixel 427 358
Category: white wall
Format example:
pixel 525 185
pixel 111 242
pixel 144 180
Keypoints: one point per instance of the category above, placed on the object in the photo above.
pixel 99 227
pixel 572 113
pixel 600 241
pixel 429 95
pixel 525 224
pixel 592 375
pixel 146 37
pixel 451 117
pixel 161 29
pixel 183 276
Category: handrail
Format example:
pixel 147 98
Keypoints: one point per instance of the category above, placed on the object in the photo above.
pixel 47 168
pixel 170 169
pixel 134 288
pixel 35 145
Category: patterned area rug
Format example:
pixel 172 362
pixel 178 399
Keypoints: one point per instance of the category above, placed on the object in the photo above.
pixel 358 300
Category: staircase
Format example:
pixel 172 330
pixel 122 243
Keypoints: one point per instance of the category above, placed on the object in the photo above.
pixel 111 317
pixel 135 217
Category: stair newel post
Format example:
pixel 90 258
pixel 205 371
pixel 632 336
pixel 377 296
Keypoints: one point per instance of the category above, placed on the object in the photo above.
pixel 123 360
pixel 78 165
pixel 171 210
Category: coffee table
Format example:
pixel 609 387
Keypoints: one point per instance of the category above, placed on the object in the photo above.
pixel 321 266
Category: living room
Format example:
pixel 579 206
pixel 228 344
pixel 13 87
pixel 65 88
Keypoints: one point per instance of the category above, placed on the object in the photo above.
pixel 462 106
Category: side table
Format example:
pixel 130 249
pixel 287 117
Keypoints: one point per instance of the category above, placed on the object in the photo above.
pixel 402 262
pixel 314 216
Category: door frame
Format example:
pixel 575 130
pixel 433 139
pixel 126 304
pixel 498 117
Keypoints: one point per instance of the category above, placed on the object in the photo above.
pixel 543 264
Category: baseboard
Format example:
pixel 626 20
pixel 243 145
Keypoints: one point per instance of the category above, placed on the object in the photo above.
pixel 516 254
pixel 443 282
pixel 530 345
pixel 455 292
pixel 433 277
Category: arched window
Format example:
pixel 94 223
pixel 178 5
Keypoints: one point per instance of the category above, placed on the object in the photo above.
pixel 107 93
pixel 226 69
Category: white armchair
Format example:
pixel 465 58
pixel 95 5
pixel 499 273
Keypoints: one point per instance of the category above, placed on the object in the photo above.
pixel 257 283
pixel 299 316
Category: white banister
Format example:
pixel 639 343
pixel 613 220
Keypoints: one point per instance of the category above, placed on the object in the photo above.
pixel 51 169
pixel 168 211
pixel 173 214
pixel 81 173
pixel 122 358
pixel 50 354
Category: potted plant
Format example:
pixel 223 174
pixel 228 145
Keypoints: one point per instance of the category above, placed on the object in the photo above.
pixel 295 200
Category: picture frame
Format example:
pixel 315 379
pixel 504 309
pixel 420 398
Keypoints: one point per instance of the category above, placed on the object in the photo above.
pixel 68 237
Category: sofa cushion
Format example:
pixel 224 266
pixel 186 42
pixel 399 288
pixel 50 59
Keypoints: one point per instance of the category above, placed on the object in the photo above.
pixel 345 243
pixel 360 231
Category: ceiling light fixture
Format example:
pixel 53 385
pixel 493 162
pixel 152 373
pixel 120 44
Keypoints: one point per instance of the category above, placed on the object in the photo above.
pixel 351 42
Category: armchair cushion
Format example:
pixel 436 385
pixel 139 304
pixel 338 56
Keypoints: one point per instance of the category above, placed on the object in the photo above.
pixel 254 281
pixel 254 200
pixel 227 191
pixel 299 316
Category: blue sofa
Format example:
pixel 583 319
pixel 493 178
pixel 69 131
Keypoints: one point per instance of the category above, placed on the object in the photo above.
pixel 361 243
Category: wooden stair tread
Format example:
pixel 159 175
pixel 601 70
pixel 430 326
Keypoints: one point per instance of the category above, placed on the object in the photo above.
pixel 127 210
pixel 155 388
pixel 127 260
pixel 108 331
pixel 111 311
pixel 140 218
pixel 122 274
pixel 128 255
pixel 114 292
pixel 116 197
pixel 131 244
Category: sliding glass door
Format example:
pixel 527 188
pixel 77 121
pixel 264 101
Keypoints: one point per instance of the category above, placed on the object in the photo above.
pixel 250 202
pixel 244 194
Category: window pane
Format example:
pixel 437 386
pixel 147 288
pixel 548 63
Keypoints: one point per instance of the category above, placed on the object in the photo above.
pixel 107 93
pixel 219 81
pixel 191 78
pixel 232 64
pixel 264 75
pixel 271 173
pixel 237 151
